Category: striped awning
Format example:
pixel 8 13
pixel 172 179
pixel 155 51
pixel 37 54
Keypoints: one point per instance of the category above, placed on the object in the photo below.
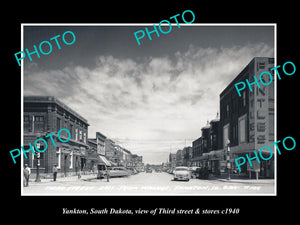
pixel 103 160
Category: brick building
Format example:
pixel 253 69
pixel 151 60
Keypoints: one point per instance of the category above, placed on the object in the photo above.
pixel 44 115
pixel 248 121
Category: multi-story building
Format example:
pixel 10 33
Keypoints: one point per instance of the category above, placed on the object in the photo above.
pixel 197 152
pixel 120 155
pixel 111 152
pixel 172 160
pixel 248 121
pixel 100 139
pixel 92 155
pixel 127 157
pixel 179 158
pixel 187 156
pixel 44 115
pixel 246 124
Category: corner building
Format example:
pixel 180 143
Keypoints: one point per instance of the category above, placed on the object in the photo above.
pixel 44 115
pixel 248 121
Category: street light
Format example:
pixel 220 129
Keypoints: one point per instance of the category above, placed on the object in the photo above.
pixel 37 179
pixel 228 158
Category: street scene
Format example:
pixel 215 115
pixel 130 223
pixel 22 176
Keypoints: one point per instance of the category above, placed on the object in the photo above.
pixel 163 118
pixel 155 183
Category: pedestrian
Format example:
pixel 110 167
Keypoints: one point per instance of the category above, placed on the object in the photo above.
pixel 107 174
pixel 79 174
pixel 26 173
pixel 54 172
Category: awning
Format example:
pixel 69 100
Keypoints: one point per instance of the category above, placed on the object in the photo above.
pixel 103 160
pixel 112 163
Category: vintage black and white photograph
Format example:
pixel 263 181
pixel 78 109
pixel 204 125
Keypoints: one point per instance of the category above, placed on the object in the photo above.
pixel 132 109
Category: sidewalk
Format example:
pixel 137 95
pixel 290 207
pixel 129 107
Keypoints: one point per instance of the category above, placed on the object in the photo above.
pixel 244 180
pixel 65 179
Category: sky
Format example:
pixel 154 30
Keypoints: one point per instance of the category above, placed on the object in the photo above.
pixel 152 98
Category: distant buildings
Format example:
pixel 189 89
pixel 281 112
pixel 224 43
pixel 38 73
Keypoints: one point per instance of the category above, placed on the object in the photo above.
pixel 46 114
pixel 246 124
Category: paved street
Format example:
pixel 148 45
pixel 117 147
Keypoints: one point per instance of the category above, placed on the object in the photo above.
pixel 148 184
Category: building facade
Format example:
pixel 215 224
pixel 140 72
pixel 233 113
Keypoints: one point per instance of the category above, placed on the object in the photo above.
pixel 248 121
pixel 246 124
pixel 179 158
pixel 187 156
pixel 197 152
pixel 172 160
pixel 92 156
pixel 44 115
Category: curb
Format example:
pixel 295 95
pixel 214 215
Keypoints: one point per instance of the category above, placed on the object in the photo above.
pixel 247 181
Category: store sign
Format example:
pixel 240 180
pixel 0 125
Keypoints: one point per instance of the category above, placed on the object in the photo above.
pixel 261 115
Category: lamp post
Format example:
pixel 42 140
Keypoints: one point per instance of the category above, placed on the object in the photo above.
pixel 228 158
pixel 37 179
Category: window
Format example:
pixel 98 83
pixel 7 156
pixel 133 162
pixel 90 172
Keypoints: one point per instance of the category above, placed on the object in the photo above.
pixel 242 129
pixel 27 124
pixel 227 110
pixel 66 124
pixel 76 134
pixel 39 123
pixel 39 118
pixel 260 65
pixel 244 98
pixel 71 160
pixel 80 135
pixel 84 137
pixel 71 130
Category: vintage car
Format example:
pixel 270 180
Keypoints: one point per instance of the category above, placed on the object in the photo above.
pixel 194 171
pixel 132 170
pixel 181 173
pixel 119 172
pixel 113 172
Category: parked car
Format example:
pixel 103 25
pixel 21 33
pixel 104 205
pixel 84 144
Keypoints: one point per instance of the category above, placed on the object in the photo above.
pixel 132 170
pixel 202 173
pixel 170 171
pixel 148 170
pixel 194 171
pixel 118 172
pixel 181 173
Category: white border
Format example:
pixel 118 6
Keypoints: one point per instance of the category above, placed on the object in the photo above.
pixel 151 24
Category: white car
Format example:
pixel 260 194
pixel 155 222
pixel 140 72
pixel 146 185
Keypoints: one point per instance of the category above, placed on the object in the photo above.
pixel 181 173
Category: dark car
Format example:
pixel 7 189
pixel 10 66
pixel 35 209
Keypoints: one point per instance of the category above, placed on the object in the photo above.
pixel 148 170
pixel 202 173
